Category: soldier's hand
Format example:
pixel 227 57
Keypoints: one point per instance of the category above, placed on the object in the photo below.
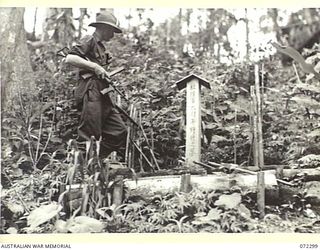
pixel 101 72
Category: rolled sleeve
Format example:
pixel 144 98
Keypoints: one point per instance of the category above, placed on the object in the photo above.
pixel 83 47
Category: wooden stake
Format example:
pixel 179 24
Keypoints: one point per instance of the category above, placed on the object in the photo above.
pixel 279 172
pixel 261 194
pixel 139 143
pixel 128 144
pixel 235 138
pixel 185 185
pixel 141 152
pixel 151 135
pixel 258 143
pixel 259 119
pixel 118 190
pixel 149 147
pixel 254 126
pixel 133 135
pixel 113 155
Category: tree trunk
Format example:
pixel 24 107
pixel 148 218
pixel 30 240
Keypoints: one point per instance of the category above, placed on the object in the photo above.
pixel 59 26
pixel 83 14
pixel 274 16
pixel 308 15
pixel 16 72
pixel 247 36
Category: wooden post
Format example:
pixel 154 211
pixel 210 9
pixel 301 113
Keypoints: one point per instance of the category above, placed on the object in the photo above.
pixel 261 194
pixel 235 137
pixel 254 126
pixel 185 184
pixel 128 144
pixel 193 127
pixel 259 118
pixel 279 172
pixel 113 155
pixel 258 142
pixel 139 143
pixel 133 136
pixel 118 190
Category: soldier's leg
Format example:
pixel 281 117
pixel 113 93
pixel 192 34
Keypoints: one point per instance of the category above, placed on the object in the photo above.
pixel 114 133
pixel 92 115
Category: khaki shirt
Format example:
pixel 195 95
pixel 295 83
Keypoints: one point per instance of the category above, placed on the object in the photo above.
pixel 92 49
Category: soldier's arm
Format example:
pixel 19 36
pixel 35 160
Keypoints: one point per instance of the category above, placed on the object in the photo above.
pixel 78 57
pixel 79 62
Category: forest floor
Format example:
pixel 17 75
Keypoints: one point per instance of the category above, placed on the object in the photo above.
pixel 34 204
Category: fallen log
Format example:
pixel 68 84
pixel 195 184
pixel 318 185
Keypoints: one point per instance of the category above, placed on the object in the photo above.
pixel 218 182
pixel 176 171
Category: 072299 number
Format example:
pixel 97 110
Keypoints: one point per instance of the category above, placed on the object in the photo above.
pixel 308 246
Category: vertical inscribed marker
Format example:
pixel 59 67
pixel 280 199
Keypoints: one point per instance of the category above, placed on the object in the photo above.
pixel 193 112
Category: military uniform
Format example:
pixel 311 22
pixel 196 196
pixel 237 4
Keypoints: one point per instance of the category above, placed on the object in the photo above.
pixel 98 116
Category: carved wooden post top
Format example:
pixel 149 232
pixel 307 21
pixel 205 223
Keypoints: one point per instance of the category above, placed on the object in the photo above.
pixel 181 84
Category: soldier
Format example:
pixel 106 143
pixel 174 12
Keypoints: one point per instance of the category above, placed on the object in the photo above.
pixel 99 118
